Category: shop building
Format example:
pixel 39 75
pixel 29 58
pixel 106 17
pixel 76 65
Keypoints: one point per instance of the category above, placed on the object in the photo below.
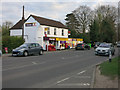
pixel 41 30
pixel 45 32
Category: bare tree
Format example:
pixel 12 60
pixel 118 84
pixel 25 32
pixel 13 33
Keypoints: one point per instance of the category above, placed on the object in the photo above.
pixel 7 24
pixel 84 16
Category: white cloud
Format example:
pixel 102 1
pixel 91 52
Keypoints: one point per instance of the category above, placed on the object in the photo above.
pixel 54 9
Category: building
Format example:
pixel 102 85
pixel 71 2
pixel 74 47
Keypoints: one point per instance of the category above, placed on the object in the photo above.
pixel 43 31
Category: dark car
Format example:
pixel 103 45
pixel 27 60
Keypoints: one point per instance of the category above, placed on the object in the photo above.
pixel 28 49
pixel 82 46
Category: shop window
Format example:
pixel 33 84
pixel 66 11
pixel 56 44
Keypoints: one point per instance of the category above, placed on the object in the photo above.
pixel 55 31
pixel 48 31
pixel 62 32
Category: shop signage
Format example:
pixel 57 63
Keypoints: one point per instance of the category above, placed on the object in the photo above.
pixel 69 32
pixel 52 39
pixel 30 24
pixel 61 39
pixel 46 38
pixel 79 39
pixel 73 39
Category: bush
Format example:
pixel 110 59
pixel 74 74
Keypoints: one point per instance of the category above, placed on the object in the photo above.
pixel 11 42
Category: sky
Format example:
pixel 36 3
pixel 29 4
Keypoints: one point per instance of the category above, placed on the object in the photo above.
pixel 11 10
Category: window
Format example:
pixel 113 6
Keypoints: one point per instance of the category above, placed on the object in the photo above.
pixel 48 31
pixel 62 32
pixel 37 45
pixel 55 31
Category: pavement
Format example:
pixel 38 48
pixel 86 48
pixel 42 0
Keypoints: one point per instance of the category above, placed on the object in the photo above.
pixel 58 69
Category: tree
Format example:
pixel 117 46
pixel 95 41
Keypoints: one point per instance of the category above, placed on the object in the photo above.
pixel 94 27
pixel 72 24
pixel 5 28
pixel 84 16
pixel 104 27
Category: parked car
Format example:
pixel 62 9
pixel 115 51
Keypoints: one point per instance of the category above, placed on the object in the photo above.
pixel 96 45
pixel 82 46
pixel 104 49
pixel 118 44
pixel 28 49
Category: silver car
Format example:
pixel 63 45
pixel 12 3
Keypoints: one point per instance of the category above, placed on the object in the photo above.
pixel 104 49
pixel 28 49
pixel 118 44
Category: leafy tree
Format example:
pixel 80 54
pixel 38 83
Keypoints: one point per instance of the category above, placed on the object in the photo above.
pixel 94 34
pixel 72 24
pixel 11 42
pixel 8 41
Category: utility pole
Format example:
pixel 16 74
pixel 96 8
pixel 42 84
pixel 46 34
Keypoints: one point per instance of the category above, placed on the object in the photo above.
pixel 23 23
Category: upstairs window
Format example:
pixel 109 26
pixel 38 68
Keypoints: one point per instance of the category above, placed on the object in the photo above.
pixel 48 31
pixel 62 32
pixel 54 31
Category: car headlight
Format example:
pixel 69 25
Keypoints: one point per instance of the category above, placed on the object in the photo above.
pixel 21 49
pixel 107 50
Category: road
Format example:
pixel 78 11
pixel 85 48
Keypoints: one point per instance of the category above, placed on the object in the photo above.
pixel 60 69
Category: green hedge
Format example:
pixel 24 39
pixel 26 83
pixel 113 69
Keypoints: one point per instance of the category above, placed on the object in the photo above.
pixel 11 42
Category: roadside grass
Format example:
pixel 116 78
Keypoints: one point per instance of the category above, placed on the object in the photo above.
pixel 110 69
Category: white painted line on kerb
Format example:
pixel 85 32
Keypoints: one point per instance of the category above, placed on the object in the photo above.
pixel 81 72
pixel 62 80
pixel 75 84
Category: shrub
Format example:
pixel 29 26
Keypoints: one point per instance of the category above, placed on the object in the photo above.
pixel 11 42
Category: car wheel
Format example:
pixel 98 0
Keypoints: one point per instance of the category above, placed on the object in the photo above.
pixel 25 53
pixel 41 52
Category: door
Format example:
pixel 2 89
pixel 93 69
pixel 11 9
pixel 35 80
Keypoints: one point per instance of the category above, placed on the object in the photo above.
pixel 32 49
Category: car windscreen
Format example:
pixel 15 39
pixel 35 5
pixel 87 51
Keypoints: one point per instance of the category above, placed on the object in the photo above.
pixel 104 46
pixel 23 46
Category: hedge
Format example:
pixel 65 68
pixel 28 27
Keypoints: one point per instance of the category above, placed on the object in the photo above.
pixel 11 42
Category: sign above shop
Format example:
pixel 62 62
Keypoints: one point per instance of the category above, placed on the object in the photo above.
pixel 53 39
pixel 30 24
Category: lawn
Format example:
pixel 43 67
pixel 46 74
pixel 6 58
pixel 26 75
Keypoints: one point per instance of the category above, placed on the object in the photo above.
pixel 110 68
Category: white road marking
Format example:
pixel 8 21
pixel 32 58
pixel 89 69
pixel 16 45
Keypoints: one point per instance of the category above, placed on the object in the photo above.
pixel 74 84
pixel 22 66
pixel 34 62
pixel 62 80
pixel 81 72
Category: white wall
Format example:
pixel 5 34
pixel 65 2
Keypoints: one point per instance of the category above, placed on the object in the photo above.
pixel 58 32
pixel 32 32
pixel 16 32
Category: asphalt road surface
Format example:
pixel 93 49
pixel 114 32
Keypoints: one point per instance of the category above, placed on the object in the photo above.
pixel 60 69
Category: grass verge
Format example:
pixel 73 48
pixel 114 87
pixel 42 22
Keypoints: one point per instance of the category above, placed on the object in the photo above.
pixel 110 68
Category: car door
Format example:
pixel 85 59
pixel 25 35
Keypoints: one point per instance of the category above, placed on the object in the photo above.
pixel 37 48
pixel 32 48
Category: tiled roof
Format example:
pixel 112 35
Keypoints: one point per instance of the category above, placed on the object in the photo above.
pixel 18 25
pixel 42 21
pixel 48 22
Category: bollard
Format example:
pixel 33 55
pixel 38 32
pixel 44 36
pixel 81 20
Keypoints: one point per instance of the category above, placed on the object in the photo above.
pixel 110 56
